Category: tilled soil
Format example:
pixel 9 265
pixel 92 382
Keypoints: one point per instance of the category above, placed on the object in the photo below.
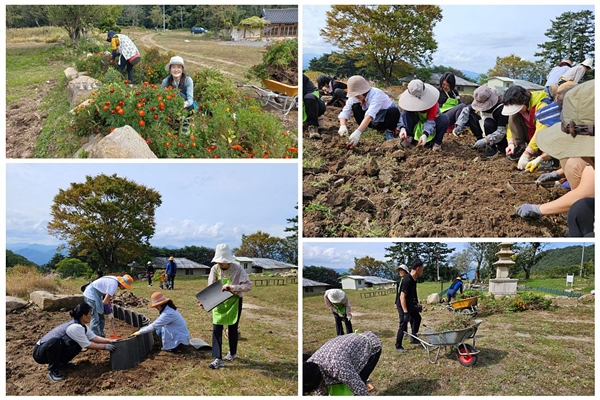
pixel 92 374
pixel 380 190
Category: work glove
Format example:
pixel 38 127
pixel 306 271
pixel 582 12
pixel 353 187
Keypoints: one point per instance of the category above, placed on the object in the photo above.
pixel 422 140
pixel 403 135
pixel 529 211
pixel 349 316
pixel 354 138
pixel 533 165
pixel 227 288
pixel 110 347
pixel 480 144
pixel 549 177
pixel 107 309
pixel 405 317
pixel 524 160
pixel 510 149
pixel 135 334
pixel 343 131
pixel 457 131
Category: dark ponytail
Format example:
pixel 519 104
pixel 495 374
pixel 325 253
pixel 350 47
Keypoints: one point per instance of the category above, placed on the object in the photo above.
pixel 79 311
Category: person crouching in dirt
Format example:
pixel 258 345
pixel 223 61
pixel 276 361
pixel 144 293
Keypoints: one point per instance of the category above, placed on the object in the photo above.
pixel 124 52
pixel 335 88
pixel 421 119
pixel 371 107
pixel 456 285
pixel 566 141
pixel 410 309
pixel 313 108
pixel 181 82
pixel 59 346
pixel 342 366
pixel 339 304
pixel 235 280
pixel 100 293
pixel 485 120
pixel 169 326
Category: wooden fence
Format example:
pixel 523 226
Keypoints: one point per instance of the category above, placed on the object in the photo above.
pixel 373 293
pixel 273 281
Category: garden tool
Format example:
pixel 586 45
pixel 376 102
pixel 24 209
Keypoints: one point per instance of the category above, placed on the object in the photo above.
pixel 108 311
pixel 536 183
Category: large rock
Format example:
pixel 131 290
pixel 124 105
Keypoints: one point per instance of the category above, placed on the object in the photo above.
pixel 433 298
pixel 587 298
pixel 123 142
pixel 71 73
pixel 53 302
pixel 14 303
pixel 80 89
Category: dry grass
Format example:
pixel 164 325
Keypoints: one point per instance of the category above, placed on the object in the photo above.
pixel 528 353
pixel 45 34
pixel 22 280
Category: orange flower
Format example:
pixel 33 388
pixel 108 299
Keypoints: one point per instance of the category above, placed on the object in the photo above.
pixel 142 122
pixel 292 149
pixel 237 147
pixel 192 138
pixel 168 144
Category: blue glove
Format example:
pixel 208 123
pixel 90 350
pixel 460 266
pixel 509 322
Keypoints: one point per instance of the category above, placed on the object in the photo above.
pixel 549 176
pixel 529 211
pixel 109 347
pixel 480 144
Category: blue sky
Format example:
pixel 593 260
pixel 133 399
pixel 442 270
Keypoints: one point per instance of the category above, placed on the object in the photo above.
pixel 203 204
pixel 341 255
pixel 469 37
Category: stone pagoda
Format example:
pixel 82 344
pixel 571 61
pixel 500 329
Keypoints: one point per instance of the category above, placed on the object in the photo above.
pixel 503 285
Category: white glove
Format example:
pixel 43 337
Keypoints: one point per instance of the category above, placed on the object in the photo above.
pixel 343 131
pixel 524 160
pixel 422 140
pixel 354 138
pixel 403 135
pixel 510 149
pixel 533 165
pixel 349 316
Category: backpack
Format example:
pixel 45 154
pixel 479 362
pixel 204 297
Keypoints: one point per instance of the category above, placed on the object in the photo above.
pixel 85 286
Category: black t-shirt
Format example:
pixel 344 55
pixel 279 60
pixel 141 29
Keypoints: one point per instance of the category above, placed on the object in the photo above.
pixel 409 287
pixel 307 85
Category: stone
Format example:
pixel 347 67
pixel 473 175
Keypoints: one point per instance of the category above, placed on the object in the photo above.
pixel 399 155
pixel 433 298
pixel 71 73
pixel 52 302
pixel 587 298
pixel 14 303
pixel 80 89
pixel 390 145
pixel 123 142
pixel 371 168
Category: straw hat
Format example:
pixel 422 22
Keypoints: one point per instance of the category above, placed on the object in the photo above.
pixel 336 295
pixel 158 299
pixel 458 278
pixel 357 85
pixel 418 96
pixel 171 258
pixel 223 254
pixel 174 60
pixel 402 267
pixel 573 136
pixel 484 98
pixel 126 281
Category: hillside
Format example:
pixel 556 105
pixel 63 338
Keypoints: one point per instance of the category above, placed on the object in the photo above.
pixel 13 259
pixel 565 256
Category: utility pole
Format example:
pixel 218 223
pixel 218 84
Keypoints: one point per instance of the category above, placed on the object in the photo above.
pixel 164 19
pixel 582 253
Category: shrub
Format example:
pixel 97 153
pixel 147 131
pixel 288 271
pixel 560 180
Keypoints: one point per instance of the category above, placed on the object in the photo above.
pixel 151 67
pixel 94 66
pixel 72 267
pixel 23 280
pixel 280 63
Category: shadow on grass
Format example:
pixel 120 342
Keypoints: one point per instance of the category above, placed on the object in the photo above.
pixel 412 387
pixel 488 357
pixel 386 333
pixel 281 370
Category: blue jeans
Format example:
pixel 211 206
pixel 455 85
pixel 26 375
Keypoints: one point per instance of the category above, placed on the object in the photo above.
pixel 97 322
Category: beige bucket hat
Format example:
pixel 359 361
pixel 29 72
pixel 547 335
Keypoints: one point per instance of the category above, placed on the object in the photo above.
pixel 357 85
pixel 418 96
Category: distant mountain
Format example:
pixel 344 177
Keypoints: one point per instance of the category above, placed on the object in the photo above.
pixel 306 57
pixel 341 271
pixel 565 256
pixel 38 253
pixel 470 74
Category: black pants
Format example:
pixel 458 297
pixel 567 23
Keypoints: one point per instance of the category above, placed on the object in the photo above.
pixel 441 125
pixel 371 364
pixel 338 98
pixel 124 64
pixel 581 218
pixel 489 125
pixel 453 113
pixel 171 281
pixel 390 121
pixel 338 324
pixel 415 323
pixel 55 352
pixel 314 108
pixel 217 336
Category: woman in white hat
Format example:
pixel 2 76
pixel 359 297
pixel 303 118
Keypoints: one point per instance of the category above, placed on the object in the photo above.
pixel 484 115
pixel 576 73
pixel 339 304
pixel 170 325
pixel 573 137
pixel 234 279
pixel 179 81
pixel 421 119
pixel 371 107
pixel 455 286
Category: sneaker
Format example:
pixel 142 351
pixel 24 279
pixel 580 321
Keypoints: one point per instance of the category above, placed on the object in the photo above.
pixel 437 147
pixel 218 363
pixel 548 165
pixel 412 340
pixel 230 357
pixel 321 120
pixel 491 152
pixel 313 132
pixel 388 134
pixel 55 375
pixel 400 350
pixel 406 143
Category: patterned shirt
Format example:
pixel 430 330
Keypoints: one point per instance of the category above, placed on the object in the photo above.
pixel 342 358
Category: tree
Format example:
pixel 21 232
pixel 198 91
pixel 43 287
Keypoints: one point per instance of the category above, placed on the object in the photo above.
pixel 50 265
pixel 72 267
pixel 134 13
pixel 260 245
pixel 290 243
pixel 481 254
pixel 461 261
pixel 108 218
pixel 572 36
pixel 321 274
pixel 368 266
pixel 528 254
pixel 13 259
pixel 512 66
pixel 199 254
pixel 78 19
pixel 156 16
pixel 391 38
pixel 433 255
